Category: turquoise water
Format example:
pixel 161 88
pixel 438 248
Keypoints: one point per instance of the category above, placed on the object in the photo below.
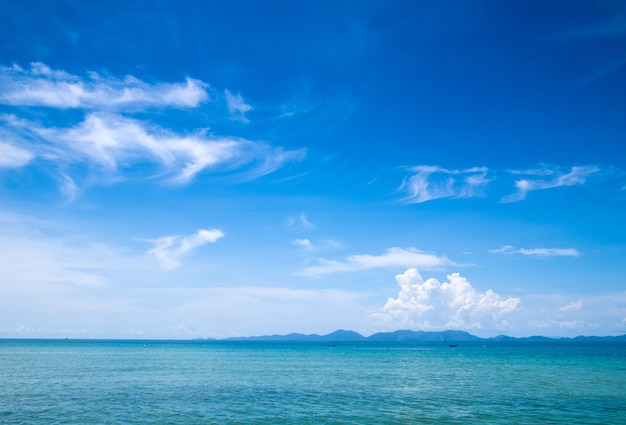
pixel 210 382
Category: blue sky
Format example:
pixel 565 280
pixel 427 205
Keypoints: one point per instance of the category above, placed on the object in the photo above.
pixel 181 169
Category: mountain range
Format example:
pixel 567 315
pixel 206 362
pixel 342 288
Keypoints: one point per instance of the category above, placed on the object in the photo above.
pixel 415 336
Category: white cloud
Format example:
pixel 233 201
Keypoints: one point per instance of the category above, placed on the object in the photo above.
pixel 69 188
pixel 170 249
pixel 113 143
pixel 548 178
pixel 550 252
pixel 393 257
pixel 237 106
pixel 432 182
pixel 428 182
pixel 42 86
pixel 301 222
pixel 13 157
pixel 322 244
pixel 573 306
pixel 303 243
pixel 450 305
pixel 537 252
pixel 305 221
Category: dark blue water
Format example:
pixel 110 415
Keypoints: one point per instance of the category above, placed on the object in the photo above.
pixel 168 382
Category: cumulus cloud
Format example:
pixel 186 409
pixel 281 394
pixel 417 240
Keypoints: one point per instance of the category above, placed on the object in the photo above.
pixel 455 304
pixel 548 178
pixel 431 182
pixel 42 86
pixel 170 249
pixel 393 257
pixel 13 157
pixel 112 142
pixel 237 106
pixel 537 252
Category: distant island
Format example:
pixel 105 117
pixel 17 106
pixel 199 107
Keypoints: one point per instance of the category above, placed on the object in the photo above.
pixel 416 336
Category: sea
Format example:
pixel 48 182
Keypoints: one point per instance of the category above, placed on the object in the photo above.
pixel 244 382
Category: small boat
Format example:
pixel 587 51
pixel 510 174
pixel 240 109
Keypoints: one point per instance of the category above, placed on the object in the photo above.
pixel 453 345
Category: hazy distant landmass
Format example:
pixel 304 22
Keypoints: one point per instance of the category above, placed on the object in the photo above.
pixel 415 336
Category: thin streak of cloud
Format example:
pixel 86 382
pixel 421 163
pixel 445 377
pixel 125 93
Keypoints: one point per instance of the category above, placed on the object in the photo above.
pixel 112 142
pixel 42 86
pixel 537 252
pixel 392 258
pixel 551 178
pixel 317 245
pixel 69 188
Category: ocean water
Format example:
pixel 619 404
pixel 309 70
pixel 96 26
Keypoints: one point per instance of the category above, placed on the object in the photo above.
pixel 214 382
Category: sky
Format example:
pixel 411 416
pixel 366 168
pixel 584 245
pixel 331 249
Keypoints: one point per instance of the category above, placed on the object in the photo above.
pixel 208 169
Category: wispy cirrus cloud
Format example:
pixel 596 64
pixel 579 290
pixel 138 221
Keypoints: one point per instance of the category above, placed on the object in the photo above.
pixel 36 256
pixel 42 86
pixel 170 249
pixel 237 106
pixel 106 140
pixel 393 257
pixel 316 245
pixel 12 156
pixel 573 306
pixel 548 178
pixel 303 243
pixel 429 182
pixel 301 222
pixel 456 304
pixel 113 142
pixel 432 182
pixel 537 252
